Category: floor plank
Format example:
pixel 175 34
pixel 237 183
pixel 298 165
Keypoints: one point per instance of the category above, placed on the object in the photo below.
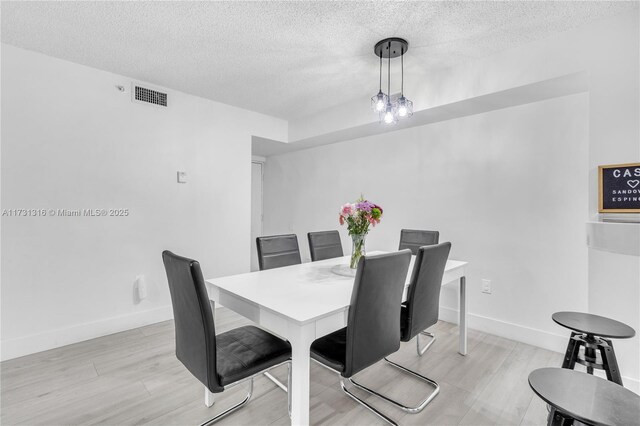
pixel 507 396
pixel 133 378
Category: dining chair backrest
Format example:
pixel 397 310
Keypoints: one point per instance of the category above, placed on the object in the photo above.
pixel 277 251
pixel 194 327
pixel 324 245
pixel 413 239
pixel 374 312
pixel 423 295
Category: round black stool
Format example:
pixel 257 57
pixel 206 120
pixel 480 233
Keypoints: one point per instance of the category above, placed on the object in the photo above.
pixel 574 395
pixel 591 331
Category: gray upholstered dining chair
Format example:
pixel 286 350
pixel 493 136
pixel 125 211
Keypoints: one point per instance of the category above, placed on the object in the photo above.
pixel 324 245
pixel 419 312
pixel 277 251
pixel 221 361
pixel 413 239
pixel 372 331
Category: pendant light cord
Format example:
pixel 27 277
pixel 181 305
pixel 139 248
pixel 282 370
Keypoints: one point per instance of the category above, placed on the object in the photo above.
pixel 389 74
pixel 402 67
pixel 380 71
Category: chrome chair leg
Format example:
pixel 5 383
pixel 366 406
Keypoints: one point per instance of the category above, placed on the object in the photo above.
pixel 283 387
pixel 233 408
pixel 209 397
pixel 276 381
pixel 360 401
pixel 428 345
pixel 354 397
pixel 411 410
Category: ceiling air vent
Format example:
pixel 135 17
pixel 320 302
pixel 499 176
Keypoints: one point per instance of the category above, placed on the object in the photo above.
pixel 149 96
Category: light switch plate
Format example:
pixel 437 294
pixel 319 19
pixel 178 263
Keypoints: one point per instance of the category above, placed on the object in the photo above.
pixel 182 177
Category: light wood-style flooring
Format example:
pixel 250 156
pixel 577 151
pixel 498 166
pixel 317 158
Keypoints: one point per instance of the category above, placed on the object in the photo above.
pixel 133 377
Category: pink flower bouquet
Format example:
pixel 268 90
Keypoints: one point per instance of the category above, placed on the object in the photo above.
pixel 358 216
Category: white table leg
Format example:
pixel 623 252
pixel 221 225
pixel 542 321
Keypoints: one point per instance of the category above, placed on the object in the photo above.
pixel 300 339
pixel 462 319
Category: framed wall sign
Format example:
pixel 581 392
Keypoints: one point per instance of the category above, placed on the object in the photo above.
pixel 619 188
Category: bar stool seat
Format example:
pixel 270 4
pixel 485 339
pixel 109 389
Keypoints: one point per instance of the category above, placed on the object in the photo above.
pixel 593 332
pixel 594 325
pixel 574 395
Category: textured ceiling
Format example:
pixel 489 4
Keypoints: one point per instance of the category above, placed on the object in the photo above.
pixel 287 59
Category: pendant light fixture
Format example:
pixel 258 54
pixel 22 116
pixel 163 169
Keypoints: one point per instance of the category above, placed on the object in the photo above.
pixel 379 101
pixel 390 110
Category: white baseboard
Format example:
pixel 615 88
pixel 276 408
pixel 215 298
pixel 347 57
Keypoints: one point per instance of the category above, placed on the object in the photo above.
pixel 14 348
pixel 631 384
pixel 519 333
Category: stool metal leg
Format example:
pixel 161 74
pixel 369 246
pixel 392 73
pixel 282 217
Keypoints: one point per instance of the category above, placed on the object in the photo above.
pixel 571 354
pixel 590 356
pixel 556 418
pixel 591 344
pixel 610 363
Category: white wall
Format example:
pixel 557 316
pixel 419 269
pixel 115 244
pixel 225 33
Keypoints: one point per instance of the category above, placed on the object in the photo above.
pixel 614 138
pixel 71 140
pixel 507 188
pixel 609 51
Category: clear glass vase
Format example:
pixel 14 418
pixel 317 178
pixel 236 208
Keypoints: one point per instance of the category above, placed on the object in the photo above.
pixel 357 249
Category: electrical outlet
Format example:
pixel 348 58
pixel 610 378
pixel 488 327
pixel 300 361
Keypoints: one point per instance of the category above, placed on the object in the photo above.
pixel 140 286
pixel 486 286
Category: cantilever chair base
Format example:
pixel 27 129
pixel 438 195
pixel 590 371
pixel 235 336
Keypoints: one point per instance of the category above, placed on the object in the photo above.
pixel 250 393
pixel 428 345
pixel 411 410
pixel 276 381
pixel 354 397
pixel 369 407
pixel 233 408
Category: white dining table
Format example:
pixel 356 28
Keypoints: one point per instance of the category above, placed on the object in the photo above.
pixel 304 302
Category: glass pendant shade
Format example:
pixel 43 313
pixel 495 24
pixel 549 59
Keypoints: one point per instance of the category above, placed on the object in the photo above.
pixel 379 102
pixel 390 114
pixel 404 107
